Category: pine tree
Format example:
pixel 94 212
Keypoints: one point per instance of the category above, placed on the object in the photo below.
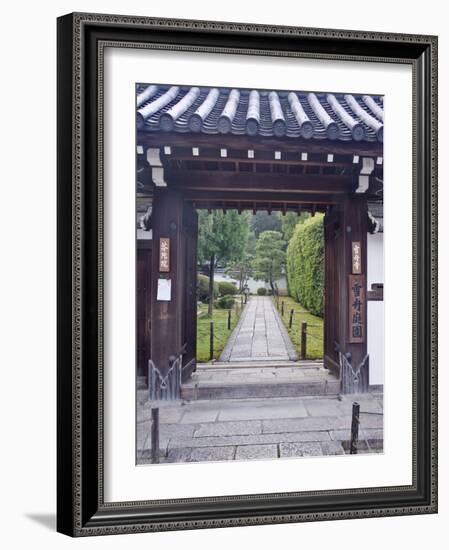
pixel 222 239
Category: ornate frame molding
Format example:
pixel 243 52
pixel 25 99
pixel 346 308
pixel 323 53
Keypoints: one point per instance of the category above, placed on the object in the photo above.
pixel 81 510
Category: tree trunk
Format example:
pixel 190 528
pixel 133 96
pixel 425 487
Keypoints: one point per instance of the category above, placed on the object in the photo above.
pixel 211 286
pixel 271 282
pixel 241 280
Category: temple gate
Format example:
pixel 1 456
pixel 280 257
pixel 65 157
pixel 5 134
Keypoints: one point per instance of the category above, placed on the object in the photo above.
pixel 210 148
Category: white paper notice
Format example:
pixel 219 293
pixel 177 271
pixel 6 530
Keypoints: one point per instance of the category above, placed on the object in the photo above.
pixel 164 290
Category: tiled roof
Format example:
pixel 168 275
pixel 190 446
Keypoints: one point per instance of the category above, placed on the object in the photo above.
pixel 264 113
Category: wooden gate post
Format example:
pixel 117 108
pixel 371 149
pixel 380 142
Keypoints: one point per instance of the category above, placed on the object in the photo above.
pixel 303 340
pixel 166 314
pixel 345 317
pixel 352 283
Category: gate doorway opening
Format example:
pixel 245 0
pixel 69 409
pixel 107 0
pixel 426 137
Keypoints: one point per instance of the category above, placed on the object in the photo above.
pixel 244 312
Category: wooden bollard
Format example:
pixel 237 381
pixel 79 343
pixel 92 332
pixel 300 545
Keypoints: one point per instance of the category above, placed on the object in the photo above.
pixel 229 319
pixel 155 435
pixel 282 308
pixel 355 428
pixel 211 341
pixel 303 340
pixel 290 322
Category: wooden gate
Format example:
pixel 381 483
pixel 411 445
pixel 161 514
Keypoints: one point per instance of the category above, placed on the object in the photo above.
pixel 143 297
pixel 189 311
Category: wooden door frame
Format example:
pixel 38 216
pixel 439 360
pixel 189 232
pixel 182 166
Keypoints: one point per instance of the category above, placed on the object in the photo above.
pixel 345 222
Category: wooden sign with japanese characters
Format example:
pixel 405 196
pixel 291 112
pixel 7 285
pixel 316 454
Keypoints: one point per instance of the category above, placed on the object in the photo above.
pixel 164 255
pixel 357 309
pixel 356 257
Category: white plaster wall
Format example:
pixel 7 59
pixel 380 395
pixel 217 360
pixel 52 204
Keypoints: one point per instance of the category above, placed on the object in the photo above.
pixel 376 325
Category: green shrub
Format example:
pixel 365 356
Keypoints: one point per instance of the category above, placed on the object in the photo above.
pixel 225 302
pixel 225 288
pixel 203 288
pixel 261 291
pixel 305 265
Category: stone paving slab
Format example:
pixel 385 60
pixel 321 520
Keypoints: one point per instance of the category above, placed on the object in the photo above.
pixel 169 430
pixel 251 452
pixel 366 406
pixel 146 445
pixel 325 407
pixel 300 449
pixel 372 433
pixel 178 455
pixel 212 454
pixel 235 440
pixel 250 427
pixel 331 448
pixel 305 424
pixel 198 415
pixel 340 435
pixel 167 415
pixel 260 428
pixel 265 410
pixel 367 433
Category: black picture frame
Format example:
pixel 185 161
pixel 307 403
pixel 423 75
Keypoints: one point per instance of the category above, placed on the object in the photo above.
pixel 81 510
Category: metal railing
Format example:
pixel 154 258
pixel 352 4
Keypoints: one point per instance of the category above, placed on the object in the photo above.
pixel 166 387
pixel 163 389
pixel 353 379
pixel 355 427
pixel 304 333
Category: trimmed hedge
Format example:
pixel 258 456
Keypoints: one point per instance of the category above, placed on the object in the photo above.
pixel 203 288
pixel 225 302
pixel 226 288
pixel 261 291
pixel 305 264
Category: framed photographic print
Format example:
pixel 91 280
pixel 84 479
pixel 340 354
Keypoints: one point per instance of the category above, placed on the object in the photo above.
pixel 246 274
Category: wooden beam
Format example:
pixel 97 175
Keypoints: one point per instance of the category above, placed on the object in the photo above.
pixel 254 208
pixel 246 181
pixel 207 196
pixel 183 154
pixel 231 141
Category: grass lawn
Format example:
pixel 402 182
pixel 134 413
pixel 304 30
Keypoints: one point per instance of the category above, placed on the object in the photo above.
pixel 315 348
pixel 221 332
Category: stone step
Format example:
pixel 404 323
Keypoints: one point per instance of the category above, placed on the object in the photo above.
pixel 249 390
pixel 318 364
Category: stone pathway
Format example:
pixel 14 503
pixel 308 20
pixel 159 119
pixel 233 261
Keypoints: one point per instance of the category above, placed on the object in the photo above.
pixel 245 429
pixel 259 335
